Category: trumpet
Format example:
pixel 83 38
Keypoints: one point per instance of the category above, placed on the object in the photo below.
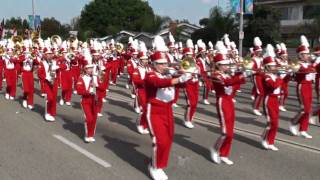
pixel 186 65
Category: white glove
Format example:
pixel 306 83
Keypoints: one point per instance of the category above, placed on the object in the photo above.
pixel 228 90
pixel 185 77
pixel 95 80
pixel 282 76
pixel 247 73
pixel 91 90
pixel 308 77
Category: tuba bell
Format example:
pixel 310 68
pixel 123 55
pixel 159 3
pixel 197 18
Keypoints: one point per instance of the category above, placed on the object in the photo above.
pixel 56 39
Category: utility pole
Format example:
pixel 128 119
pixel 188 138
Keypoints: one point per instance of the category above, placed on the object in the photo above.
pixel 241 33
pixel 33 13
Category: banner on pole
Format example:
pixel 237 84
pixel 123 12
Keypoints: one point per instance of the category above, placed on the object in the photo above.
pixel 235 6
pixel 248 6
pixel 37 21
pixel 31 21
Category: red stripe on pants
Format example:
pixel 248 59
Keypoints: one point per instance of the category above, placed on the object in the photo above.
pixel 271 108
pixel 226 114
pixel 161 125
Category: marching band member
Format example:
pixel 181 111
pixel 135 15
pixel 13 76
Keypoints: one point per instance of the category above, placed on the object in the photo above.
pixel 191 88
pixel 317 66
pixel 304 78
pixel 10 71
pixel 257 76
pixel 272 85
pixel 138 78
pixel 86 87
pixel 47 72
pixel 160 95
pixel 66 75
pixel 76 63
pixel 28 60
pixel 283 62
pixel 114 59
pixel 223 83
pixel 131 66
pixel 204 64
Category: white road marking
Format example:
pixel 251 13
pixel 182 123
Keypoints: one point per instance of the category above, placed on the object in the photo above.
pixel 240 131
pixel 83 151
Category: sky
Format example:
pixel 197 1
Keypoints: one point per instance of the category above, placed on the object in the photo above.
pixel 65 10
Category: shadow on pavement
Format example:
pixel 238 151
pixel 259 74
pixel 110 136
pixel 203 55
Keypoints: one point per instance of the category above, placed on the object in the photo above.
pixel 128 153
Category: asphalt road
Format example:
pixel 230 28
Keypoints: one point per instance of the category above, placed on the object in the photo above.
pixel 31 148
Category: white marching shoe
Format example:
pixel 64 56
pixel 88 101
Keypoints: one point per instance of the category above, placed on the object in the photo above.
pixel 133 96
pixel 265 144
pixel 104 100
pixel 227 161
pixel 188 124
pixel 24 103
pixel 312 120
pixel 252 97
pixel 293 129
pixel 175 105
pixel 61 102
pixel 234 100
pixel 11 98
pixel 99 115
pixel 156 174
pixel 75 92
pixel 305 135
pixel 48 117
pixel 273 148
pixel 281 108
pixel 127 86
pixel 68 103
pixel 7 96
pixel 215 157
pixel 89 139
pixel 205 101
pixel 30 107
pixel 137 110
pixel 257 112
pixel 142 130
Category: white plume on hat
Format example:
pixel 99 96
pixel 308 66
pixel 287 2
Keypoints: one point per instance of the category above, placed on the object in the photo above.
pixel 180 45
pixel 210 45
pixel 130 39
pixel 283 46
pixel 87 55
pixel 10 44
pixel 278 46
pixel 103 44
pixel 221 48
pixel 251 50
pixel 64 45
pixel 135 44
pixel 226 40
pixel 233 45
pixel 176 46
pixel 142 47
pixel 270 51
pixel 160 45
pixel 26 43
pixel 189 44
pixel 304 41
pixel 47 44
pixel 257 41
pixel 201 44
pixel 41 43
pixel 171 38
